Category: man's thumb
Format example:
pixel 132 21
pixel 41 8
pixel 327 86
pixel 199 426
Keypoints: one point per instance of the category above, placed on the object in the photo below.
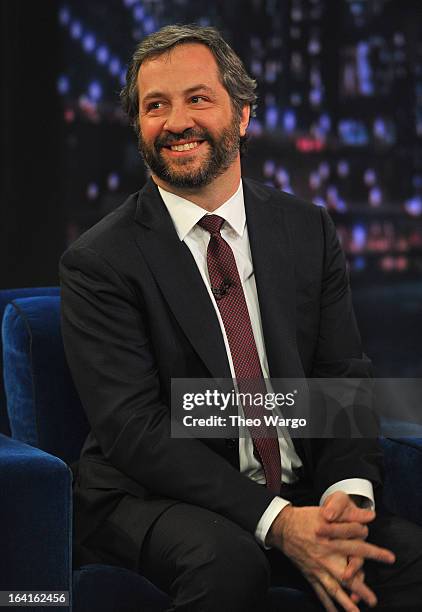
pixel 334 506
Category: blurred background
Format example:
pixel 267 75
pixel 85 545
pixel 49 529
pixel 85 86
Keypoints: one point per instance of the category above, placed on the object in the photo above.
pixel 338 122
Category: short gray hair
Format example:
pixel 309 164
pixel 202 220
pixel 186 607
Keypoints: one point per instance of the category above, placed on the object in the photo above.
pixel 239 85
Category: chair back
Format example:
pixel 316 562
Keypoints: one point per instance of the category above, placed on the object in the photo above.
pixel 6 296
pixel 43 406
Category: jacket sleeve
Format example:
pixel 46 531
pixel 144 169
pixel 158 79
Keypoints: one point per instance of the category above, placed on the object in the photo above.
pixel 109 352
pixel 339 354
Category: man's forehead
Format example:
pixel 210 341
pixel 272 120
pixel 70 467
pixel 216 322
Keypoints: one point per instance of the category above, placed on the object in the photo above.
pixel 185 57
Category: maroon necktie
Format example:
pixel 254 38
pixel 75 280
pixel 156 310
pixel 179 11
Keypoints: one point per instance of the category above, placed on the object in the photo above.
pixel 228 292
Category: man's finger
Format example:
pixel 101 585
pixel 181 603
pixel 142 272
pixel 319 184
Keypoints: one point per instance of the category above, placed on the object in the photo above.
pixel 356 584
pixel 358 587
pixel 353 566
pixel 323 596
pixel 343 531
pixel 341 508
pixel 359 548
pixel 334 590
pixel 335 505
pixel 352 513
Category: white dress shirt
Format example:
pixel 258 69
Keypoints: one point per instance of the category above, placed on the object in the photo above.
pixel 185 216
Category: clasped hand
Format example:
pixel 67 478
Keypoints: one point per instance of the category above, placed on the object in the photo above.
pixel 328 545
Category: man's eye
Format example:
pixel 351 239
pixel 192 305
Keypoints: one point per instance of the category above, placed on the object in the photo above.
pixel 197 99
pixel 154 105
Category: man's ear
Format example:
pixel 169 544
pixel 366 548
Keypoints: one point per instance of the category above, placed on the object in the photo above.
pixel 244 119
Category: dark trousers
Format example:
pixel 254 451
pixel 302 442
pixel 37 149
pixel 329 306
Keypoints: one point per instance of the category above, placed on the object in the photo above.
pixel 206 563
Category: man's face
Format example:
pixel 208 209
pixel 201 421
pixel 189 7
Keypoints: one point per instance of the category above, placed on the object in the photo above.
pixel 189 133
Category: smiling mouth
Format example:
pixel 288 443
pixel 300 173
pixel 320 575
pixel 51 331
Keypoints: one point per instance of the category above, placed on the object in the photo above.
pixel 187 146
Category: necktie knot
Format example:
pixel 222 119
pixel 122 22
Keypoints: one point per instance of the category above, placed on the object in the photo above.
pixel 211 223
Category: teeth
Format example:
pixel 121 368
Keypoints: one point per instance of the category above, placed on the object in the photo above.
pixel 185 147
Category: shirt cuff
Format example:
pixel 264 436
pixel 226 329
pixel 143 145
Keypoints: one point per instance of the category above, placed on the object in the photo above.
pixel 267 519
pixel 353 486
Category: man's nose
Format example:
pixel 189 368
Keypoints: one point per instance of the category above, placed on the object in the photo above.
pixel 178 119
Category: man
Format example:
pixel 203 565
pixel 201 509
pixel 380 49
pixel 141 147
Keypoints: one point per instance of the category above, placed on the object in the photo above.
pixel 145 299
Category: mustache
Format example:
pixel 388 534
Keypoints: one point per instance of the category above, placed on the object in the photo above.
pixel 168 140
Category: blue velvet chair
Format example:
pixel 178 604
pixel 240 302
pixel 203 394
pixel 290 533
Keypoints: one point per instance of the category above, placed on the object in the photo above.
pixel 7 296
pixel 48 427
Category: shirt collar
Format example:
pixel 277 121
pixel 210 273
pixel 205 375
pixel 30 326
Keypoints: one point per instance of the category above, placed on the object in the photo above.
pixel 185 214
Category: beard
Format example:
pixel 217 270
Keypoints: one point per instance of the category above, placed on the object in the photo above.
pixel 222 151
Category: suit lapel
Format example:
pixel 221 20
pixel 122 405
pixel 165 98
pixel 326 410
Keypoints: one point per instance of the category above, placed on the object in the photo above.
pixel 273 263
pixel 180 281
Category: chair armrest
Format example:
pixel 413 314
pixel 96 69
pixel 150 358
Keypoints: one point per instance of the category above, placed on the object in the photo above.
pixel 35 519
pixel 403 477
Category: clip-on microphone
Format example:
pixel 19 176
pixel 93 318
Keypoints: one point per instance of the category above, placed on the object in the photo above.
pixel 223 289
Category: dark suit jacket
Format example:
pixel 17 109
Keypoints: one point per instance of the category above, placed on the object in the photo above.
pixel 136 313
